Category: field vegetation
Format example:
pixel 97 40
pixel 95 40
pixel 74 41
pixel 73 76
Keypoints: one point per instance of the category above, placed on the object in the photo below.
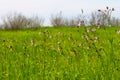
pixel 85 53
pixel 77 48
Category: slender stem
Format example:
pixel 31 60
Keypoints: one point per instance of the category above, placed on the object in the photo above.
pixel 107 15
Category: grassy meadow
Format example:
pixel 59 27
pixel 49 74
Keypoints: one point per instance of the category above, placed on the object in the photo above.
pixel 86 53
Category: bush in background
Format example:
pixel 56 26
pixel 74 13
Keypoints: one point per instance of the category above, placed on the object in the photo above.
pixel 115 21
pixel 57 20
pixel 95 17
pixel 19 21
pixel 36 22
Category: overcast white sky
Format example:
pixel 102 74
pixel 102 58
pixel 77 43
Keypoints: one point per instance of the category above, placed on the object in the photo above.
pixel 47 7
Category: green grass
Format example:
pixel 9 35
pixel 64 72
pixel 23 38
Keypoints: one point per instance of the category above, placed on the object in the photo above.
pixel 60 54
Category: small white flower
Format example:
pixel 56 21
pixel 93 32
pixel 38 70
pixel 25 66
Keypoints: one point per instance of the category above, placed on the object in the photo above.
pixel 53 48
pixel 59 33
pixel 88 30
pixel 58 43
pixel 50 37
pixel 82 37
pixel 87 37
pixel 119 44
pixel 32 42
pixel 39 33
pixel 118 32
pixel 96 38
pixel 80 44
pixel 88 47
pixel 58 48
pixel 93 29
pixel 35 45
pixel 69 38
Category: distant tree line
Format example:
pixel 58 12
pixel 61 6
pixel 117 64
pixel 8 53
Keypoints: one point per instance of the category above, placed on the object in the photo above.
pixel 102 18
pixel 18 21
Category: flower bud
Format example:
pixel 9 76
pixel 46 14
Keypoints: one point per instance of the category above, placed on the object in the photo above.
pixel 99 10
pixel 107 7
pixel 113 9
